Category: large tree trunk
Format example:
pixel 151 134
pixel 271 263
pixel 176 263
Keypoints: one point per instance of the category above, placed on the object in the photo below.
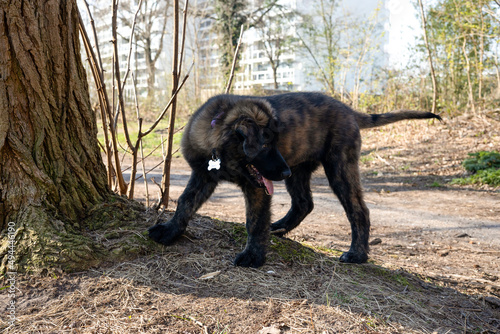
pixel 51 170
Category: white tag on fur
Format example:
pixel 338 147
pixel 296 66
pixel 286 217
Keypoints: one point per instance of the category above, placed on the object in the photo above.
pixel 214 164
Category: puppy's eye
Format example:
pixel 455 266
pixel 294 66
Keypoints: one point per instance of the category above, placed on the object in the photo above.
pixel 265 146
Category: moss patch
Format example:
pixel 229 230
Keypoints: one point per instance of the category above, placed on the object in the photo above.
pixel 112 231
pixel 290 251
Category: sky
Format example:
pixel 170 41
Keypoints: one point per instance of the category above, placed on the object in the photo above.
pixel 404 28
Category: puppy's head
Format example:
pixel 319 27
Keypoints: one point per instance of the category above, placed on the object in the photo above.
pixel 257 132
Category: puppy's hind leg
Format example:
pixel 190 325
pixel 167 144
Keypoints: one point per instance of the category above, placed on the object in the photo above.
pixel 198 190
pixel 343 175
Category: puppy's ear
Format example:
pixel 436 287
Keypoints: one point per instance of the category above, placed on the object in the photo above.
pixel 276 126
pixel 248 131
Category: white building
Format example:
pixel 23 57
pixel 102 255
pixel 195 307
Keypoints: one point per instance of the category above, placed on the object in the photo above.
pixel 102 15
pixel 299 65
pixel 299 68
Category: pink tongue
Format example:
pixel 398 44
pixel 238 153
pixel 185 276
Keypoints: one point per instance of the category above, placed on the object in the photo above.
pixel 269 185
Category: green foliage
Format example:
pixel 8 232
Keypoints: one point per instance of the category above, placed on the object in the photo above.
pixel 482 160
pixel 366 158
pixel 489 176
pixel 485 166
pixel 462 36
pixel 371 103
pixel 230 16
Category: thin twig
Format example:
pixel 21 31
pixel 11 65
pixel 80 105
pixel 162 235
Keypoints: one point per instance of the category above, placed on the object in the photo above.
pixel 105 112
pixel 132 31
pixel 151 169
pixel 155 124
pixel 325 78
pixel 184 23
pixel 121 101
pixel 156 166
pixel 140 143
pixel 235 59
pixel 95 73
pixel 96 40
pixel 165 182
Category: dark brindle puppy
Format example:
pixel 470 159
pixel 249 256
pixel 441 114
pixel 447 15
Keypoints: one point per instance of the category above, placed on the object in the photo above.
pixel 253 141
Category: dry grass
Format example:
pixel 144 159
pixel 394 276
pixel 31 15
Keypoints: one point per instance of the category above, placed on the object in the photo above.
pixel 422 150
pixel 300 290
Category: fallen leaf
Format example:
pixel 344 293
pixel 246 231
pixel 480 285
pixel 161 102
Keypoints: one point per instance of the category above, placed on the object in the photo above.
pixel 210 275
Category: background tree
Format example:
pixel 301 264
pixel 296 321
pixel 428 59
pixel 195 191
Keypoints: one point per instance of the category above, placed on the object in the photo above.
pixel 51 170
pixel 151 27
pixel 275 33
pixel 230 15
pixel 341 46
pixel 463 35
pixel 361 42
pixel 429 52
pixel 321 38
pixel 199 44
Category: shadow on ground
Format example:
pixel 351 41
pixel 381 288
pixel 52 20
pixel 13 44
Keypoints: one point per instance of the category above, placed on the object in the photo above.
pixel 192 287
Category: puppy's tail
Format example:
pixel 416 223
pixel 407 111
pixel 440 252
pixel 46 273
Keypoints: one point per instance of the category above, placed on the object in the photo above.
pixel 366 121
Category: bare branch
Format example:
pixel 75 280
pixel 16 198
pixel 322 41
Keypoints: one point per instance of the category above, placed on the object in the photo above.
pixel 431 64
pixel 162 33
pixel 121 101
pixel 138 143
pixel 130 45
pixel 155 124
pixel 165 181
pixel 325 78
pixel 96 40
pixel 263 12
pixel 105 113
pixel 235 59
pixel 184 22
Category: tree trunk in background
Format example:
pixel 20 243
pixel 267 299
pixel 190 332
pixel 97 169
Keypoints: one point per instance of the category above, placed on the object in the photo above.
pixel 429 53
pixel 51 170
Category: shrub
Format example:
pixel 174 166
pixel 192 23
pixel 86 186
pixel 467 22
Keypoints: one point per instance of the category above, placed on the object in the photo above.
pixel 482 160
pixel 485 167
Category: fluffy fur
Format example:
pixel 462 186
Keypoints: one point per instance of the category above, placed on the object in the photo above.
pixel 263 139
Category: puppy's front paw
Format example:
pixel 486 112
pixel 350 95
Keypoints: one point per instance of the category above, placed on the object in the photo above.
pixel 251 257
pixel 165 233
pixel 353 257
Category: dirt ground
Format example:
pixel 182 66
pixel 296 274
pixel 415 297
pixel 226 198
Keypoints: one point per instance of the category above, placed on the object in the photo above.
pixel 434 262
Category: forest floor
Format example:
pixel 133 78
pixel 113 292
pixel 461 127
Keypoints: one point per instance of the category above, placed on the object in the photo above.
pixel 434 264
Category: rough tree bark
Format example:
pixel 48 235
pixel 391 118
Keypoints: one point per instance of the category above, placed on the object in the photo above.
pixel 51 170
